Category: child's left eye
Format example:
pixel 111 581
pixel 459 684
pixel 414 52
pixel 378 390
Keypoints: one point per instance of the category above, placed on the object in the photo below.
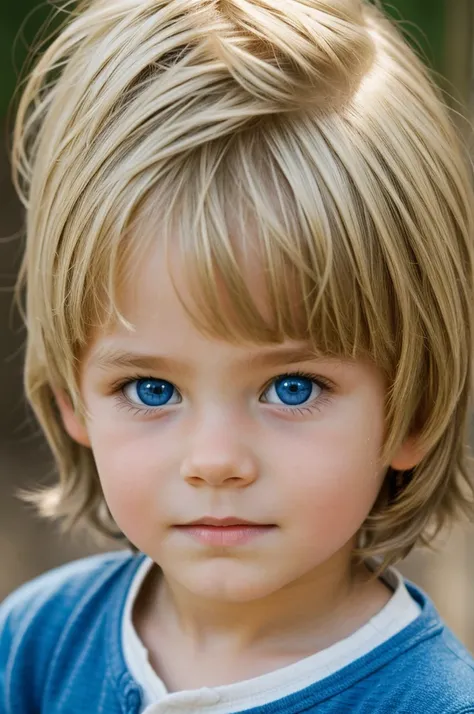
pixel 151 392
pixel 292 390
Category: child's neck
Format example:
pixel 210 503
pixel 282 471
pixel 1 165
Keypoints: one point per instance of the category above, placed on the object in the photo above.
pixel 290 624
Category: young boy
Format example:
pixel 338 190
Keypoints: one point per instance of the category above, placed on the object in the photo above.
pixel 249 311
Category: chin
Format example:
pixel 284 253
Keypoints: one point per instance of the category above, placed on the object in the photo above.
pixel 229 581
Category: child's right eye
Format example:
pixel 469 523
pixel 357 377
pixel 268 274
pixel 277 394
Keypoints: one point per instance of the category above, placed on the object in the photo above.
pixel 150 392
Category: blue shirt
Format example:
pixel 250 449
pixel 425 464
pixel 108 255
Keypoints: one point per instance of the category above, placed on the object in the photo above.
pixel 61 653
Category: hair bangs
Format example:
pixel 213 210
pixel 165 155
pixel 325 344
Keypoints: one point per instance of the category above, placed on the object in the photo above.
pixel 270 248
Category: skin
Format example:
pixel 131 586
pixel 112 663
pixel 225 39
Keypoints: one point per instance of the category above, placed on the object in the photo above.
pixel 227 449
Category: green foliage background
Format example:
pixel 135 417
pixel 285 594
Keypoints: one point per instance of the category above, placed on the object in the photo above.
pixel 20 21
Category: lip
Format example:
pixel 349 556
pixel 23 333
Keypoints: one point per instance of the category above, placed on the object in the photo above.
pixel 223 522
pixel 224 532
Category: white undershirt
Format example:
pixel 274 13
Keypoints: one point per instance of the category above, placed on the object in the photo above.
pixel 399 612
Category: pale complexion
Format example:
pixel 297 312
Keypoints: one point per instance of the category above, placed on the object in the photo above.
pixel 225 445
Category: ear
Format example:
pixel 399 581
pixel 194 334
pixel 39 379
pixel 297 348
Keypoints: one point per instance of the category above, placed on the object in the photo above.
pixel 408 455
pixel 72 421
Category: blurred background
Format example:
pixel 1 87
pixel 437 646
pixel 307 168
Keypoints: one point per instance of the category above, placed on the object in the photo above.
pixel 443 30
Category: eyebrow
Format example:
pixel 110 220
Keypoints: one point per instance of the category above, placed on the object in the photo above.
pixel 120 359
pixel 110 358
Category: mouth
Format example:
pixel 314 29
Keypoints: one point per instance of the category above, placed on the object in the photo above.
pixel 219 532
pixel 224 522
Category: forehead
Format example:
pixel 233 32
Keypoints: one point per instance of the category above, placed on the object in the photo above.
pixel 157 299
pixel 170 279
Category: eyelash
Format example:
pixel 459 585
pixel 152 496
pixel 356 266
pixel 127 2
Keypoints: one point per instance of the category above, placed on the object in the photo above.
pixel 325 384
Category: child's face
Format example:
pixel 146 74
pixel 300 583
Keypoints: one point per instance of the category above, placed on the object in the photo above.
pixel 230 439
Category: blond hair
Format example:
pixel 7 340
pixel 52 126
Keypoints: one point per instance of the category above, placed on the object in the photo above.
pixel 315 119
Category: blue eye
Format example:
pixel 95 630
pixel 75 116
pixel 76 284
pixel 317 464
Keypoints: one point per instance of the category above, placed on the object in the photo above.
pixel 151 392
pixel 292 390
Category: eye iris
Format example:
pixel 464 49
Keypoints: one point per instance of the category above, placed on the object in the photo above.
pixel 294 390
pixel 154 392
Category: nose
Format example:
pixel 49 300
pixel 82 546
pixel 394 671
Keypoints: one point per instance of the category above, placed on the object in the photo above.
pixel 218 457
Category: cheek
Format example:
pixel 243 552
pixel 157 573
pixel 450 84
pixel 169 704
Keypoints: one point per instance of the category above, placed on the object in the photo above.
pixel 132 469
pixel 333 477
